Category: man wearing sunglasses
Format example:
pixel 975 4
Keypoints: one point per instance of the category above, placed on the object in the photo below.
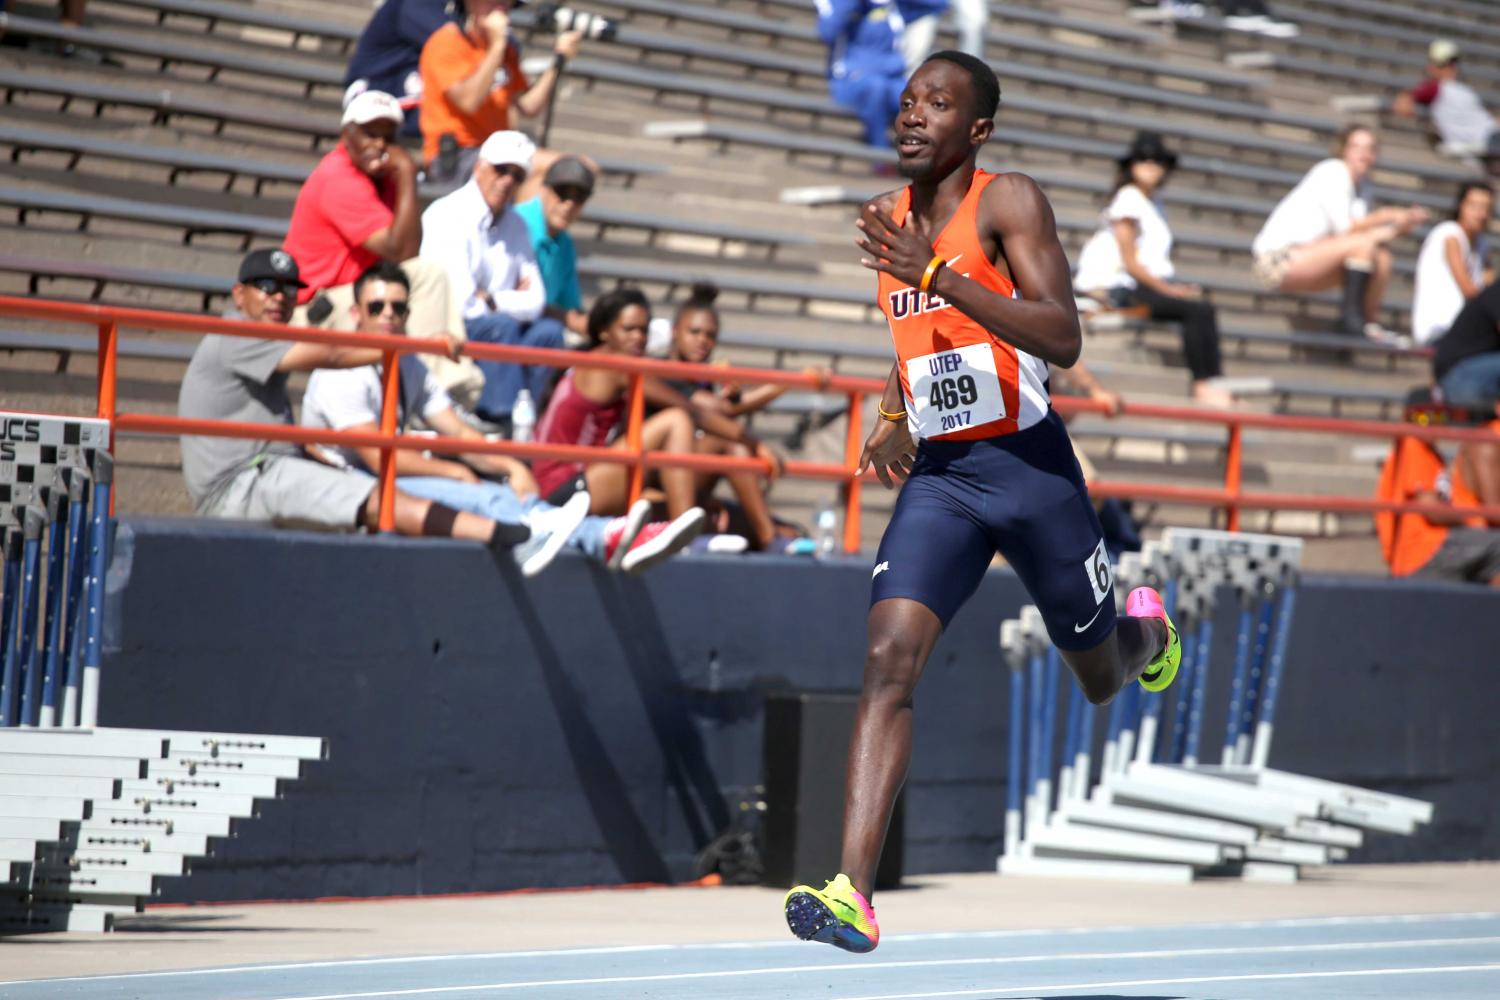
pixel 566 188
pixel 495 486
pixel 244 379
pixel 492 268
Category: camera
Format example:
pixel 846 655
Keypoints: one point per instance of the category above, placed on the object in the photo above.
pixel 572 19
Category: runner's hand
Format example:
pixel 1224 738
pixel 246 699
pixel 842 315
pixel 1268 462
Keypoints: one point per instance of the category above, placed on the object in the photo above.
pixel 890 450
pixel 899 252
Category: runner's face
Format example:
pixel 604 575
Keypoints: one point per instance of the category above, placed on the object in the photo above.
pixel 627 334
pixel 935 128
pixel 695 336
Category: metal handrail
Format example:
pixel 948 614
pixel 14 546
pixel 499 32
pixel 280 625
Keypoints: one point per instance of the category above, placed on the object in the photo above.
pixel 1231 498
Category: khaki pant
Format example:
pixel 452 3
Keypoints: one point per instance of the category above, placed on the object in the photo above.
pixel 433 312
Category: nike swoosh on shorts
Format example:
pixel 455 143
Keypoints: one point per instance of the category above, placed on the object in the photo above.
pixel 1085 626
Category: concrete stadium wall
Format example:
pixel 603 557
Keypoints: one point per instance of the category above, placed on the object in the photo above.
pixel 587 728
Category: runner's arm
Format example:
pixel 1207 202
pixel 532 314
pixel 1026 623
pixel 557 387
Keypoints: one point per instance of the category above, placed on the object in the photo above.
pixel 1016 214
pixel 1044 321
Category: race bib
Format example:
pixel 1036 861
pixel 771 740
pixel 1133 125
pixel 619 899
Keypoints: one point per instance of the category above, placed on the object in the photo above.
pixel 954 390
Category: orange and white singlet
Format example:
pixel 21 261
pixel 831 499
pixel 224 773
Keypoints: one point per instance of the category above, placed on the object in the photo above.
pixel 961 382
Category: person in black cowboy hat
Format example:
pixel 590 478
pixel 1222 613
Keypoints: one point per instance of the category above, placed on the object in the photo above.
pixel 1128 261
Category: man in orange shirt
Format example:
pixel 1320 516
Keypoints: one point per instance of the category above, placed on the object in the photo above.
pixel 472 78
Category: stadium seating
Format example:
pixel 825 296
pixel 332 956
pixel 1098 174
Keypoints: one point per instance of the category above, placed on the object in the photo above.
pixel 725 158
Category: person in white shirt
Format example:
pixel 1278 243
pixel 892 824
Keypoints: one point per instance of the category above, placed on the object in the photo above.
pixel 1323 234
pixel 496 486
pixel 1128 261
pixel 486 249
pixel 1466 127
pixel 1450 267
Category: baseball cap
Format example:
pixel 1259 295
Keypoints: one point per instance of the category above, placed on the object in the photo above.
pixel 372 106
pixel 570 171
pixel 504 148
pixel 1442 52
pixel 276 264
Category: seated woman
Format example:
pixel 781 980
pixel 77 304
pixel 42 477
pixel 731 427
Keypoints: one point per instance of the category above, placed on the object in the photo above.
pixel 588 407
pixel 1322 235
pixel 1128 261
pixel 695 334
pixel 1450 266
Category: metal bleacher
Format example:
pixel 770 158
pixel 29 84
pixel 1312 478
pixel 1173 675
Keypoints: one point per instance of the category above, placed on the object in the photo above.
pixel 715 128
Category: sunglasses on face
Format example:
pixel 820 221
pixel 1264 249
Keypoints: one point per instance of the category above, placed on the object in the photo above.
pixel 576 195
pixel 270 286
pixel 376 307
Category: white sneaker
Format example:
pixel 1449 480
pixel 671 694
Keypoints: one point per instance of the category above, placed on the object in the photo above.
pixel 661 540
pixel 620 535
pixel 550 531
pixel 1279 29
pixel 1252 23
pixel 1379 334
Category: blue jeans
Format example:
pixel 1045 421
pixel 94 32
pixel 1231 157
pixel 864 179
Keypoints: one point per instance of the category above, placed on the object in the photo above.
pixel 502 382
pixel 499 502
pixel 1474 382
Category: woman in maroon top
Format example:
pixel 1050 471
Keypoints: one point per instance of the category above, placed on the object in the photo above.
pixel 588 408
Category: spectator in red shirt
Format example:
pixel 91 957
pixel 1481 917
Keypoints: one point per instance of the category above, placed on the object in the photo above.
pixel 358 207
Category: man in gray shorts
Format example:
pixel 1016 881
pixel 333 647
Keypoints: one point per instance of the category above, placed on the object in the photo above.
pixel 245 380
pixel 1471 555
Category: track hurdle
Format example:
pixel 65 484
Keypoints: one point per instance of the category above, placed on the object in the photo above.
pixel 93 819
pixel 1041 838
pixel 1264 824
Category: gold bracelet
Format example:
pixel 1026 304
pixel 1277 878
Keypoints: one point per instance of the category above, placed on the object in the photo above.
pixel 931 273
pixel 894 418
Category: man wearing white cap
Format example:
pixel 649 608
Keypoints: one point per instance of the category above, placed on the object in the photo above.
pixel 486 249
pixel 358 207
pixel 1465 125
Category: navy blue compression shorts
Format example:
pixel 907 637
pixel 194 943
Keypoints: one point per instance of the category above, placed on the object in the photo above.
pixel 1021 495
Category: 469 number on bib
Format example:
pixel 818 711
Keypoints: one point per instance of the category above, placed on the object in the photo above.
pixel 951 393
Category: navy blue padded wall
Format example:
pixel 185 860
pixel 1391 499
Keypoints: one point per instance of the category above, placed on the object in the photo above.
pixel 585 727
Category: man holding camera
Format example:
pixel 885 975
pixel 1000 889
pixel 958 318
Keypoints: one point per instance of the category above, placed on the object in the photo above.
pixel 472 79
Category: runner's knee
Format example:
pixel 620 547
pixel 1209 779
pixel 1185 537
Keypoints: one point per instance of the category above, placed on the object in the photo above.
pixel 891 668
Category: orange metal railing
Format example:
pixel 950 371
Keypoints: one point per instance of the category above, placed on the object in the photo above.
pixel 1231 498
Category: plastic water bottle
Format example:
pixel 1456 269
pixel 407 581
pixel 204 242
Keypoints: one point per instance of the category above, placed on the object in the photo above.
pixel 827 533
pixel 522 416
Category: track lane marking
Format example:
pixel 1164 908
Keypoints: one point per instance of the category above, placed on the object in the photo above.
pixel 1177 953
pixel 1276 924
pixel 1022 991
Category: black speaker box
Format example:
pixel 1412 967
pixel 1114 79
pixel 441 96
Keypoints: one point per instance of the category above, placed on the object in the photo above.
pixel 806 746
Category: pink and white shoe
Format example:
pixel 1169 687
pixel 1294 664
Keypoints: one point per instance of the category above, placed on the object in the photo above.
pixel 660 540
pixel 1144 602
pixel 621 533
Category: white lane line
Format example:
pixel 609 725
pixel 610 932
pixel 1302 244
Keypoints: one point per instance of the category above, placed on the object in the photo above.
pixel 567 953
pixel 824 967
pixel 1029 988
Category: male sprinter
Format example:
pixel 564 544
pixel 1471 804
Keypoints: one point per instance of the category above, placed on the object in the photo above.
pixel 976 289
